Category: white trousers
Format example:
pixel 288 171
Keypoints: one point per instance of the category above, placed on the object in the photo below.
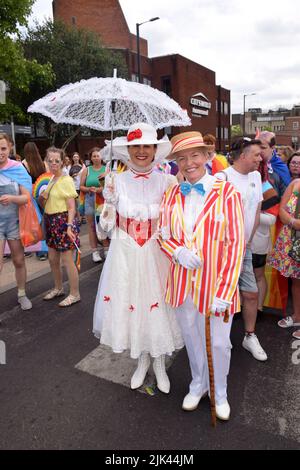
pixel 192 325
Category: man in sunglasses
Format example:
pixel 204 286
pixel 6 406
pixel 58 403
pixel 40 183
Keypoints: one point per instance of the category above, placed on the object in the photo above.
pixel 246 156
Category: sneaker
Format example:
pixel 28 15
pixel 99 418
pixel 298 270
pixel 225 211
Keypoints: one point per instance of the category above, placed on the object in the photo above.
pixel 252 345
pixel 24 302
pixel 96 257
pixel 42 258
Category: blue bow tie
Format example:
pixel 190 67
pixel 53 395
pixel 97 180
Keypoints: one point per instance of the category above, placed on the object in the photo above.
pixel 186 188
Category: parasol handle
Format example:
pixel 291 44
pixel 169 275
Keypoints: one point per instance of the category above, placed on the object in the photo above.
pixel 113 110
pixel 210 369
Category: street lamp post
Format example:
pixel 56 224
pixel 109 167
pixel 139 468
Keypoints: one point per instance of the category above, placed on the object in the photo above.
pixel 138 45
pixel 244 116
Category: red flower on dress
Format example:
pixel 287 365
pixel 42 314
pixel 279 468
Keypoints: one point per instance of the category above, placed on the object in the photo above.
pixel 131 308
pixel 137 134
pixel 106 299
pixel 153 306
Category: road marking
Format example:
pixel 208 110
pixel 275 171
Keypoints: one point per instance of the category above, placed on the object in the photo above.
pixel 117 368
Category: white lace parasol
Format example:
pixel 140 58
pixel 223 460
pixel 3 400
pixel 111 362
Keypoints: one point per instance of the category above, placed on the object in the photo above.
pixel 88 103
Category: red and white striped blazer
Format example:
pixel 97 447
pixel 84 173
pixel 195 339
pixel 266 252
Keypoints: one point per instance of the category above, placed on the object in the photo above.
pixel 218 238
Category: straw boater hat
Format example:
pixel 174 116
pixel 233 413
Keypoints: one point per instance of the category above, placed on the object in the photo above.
pixel 141 134
pixel 186 141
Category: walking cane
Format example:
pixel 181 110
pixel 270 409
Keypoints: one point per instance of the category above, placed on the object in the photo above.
pixel 211 366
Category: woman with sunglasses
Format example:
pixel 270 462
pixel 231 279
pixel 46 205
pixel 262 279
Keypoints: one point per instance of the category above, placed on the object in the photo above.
pixel 279 258
pixel 61 227
pixel 294 165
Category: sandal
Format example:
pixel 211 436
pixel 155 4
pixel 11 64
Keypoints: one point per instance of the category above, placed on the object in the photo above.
pixel 296 334
pixel 54 293
pixel 70 300
pixel 287 322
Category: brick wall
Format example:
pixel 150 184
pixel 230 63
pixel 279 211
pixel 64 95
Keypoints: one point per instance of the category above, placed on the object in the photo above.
pixel 104 17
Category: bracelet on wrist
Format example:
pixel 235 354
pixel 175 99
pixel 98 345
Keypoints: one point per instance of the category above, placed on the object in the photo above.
pixel 291 222
pixel 70 225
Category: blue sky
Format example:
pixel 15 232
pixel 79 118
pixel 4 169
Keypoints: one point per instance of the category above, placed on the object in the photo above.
pixel 252 46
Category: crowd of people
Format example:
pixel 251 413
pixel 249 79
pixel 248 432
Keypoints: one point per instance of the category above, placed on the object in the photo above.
pixel 187 233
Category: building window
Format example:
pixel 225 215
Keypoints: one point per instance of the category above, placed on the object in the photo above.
pixel 73 20
pixel 146 81
pixel 295 125
pixel 217 132
pixel 134 78
pixel 226 133
pixel 217 106
pixel 225 108
pixel 166 85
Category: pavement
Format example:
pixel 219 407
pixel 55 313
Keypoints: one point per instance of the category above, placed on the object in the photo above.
pixel 35 267
pixel 60 389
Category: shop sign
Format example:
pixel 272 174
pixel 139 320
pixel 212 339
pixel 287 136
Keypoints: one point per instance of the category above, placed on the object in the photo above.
pixel 200 105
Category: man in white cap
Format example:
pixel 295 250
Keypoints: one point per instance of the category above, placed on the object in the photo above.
pixel 202 232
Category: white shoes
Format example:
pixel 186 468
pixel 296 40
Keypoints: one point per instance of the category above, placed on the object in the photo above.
pixel 252 345
pixel 96 257
pixel 139 375
pixel 223 411
pixel 54 293
pixel 24 302
pixel 191 402
pixel 162 380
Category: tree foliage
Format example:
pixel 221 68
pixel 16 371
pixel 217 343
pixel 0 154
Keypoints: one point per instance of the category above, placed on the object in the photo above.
pixel 19 73
pixel 75 54
pixel 14 13
pixel 236 131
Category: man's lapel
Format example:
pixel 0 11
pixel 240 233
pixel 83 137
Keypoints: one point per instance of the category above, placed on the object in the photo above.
pixel 209 203
pixel 180 200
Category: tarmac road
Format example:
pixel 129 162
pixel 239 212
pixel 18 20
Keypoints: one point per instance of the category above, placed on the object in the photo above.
pixel 46 402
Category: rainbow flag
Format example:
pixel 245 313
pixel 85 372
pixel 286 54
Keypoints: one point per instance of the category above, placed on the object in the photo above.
pixel 277 294
pixel 41 184
pixel 99 202
pixel 219 163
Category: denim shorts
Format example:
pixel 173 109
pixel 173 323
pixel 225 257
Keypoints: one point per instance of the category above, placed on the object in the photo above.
pixel 247 281
pixel 9 228
pixel 89 204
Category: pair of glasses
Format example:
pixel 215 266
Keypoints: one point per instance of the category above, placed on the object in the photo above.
pixel 295 163
pixel 56 160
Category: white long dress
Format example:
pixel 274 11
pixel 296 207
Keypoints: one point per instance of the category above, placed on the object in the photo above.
pixel 130 312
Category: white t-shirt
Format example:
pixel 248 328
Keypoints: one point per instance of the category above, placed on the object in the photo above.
pixel 250 188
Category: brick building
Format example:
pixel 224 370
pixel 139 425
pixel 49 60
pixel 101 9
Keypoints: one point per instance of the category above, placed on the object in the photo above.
pixel 192 85
pixel 284 122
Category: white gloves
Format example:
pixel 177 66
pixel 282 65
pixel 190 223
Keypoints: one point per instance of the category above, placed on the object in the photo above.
pixel 188 259
pixel 219 305
pixel 109 192
pixel 107 219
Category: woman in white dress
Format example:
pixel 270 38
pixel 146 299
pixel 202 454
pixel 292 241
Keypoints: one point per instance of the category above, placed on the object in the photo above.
pixel 130 312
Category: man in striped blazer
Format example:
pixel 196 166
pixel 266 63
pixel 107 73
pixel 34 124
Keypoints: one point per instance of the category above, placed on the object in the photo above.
pixel 202 232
